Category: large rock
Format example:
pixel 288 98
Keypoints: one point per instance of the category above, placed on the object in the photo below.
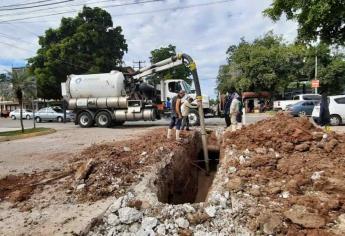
pixel 129 215
pixel 182 222
pixel 149 223
pixel 300 215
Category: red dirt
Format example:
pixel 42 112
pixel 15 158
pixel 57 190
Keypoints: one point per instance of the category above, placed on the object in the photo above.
pixel 303 153
pixel 113 167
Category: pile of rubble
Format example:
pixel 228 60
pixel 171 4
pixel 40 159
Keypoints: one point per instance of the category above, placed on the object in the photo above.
pixel 109 169
pixel 130 216
pixel 289 176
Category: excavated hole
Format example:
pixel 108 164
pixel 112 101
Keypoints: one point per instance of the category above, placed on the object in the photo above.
pixel 185 180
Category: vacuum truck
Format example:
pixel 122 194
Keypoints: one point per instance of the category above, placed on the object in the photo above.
pixel 119 96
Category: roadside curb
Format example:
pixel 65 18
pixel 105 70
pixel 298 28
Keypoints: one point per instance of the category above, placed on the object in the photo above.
pixel 22 136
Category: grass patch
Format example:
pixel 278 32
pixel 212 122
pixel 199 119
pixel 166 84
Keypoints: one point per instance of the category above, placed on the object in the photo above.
pixel 19 132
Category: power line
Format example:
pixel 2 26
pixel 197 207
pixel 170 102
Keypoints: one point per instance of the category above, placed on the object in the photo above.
pixel 54 8
pixel 172 8
pixel 24 4
pixel 41 5
pixel 60 13
pixel 142 12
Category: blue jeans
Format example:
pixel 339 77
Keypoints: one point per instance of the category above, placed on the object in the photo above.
pixel 175 121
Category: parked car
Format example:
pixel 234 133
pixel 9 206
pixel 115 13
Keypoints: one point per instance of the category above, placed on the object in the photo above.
pixel 27 114
pixel 282 104
pixel 336 110
pixel 302 108
pixel 51 114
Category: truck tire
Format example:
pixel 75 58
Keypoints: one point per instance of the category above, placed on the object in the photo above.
pixel 103 119
pixel 85 119
pixel 194 118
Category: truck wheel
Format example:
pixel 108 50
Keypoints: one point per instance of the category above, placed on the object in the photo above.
pixel 85 119
pixel 194 118
pixel 103 119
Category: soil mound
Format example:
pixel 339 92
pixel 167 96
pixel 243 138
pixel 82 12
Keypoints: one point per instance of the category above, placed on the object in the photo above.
pixel 295 171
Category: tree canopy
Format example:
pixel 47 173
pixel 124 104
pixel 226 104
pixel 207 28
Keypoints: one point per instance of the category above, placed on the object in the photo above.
pixel 87 43
pixel 317 18
pixel 179 72
pixel 270 64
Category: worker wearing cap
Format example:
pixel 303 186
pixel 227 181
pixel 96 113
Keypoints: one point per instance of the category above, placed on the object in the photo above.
pixel 176 115
pixel 186 106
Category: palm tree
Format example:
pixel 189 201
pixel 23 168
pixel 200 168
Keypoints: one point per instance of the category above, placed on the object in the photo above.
pixel 23 86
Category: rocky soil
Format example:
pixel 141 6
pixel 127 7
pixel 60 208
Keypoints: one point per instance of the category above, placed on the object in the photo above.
pixel 292 175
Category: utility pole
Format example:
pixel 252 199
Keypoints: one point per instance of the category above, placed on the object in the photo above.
pixel 316 72
pixel 139 64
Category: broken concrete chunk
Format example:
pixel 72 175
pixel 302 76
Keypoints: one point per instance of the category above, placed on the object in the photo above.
pixel 161 229
pixel 211 211
pixel 113 220
pixel 126 149
pixel 182 222
pixel 129 215
pixel 300 215
pixel 232 169
pixel 316 175
pixel 149 222
pixel 80 187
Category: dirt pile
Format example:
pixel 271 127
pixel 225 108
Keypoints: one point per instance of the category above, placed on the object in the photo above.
pixel 108 169
pixel 296 173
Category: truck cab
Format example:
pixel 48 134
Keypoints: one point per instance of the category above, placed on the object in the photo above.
pixel 171 89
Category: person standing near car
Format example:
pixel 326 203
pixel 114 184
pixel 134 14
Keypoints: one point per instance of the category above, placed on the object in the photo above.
pixel 176 115
pixel 324 111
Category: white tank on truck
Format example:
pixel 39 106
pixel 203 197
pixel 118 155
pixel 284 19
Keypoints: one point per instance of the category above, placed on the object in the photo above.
pixel 96 85
pixel 96 90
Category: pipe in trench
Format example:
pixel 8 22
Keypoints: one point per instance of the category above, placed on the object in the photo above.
pixel 192 66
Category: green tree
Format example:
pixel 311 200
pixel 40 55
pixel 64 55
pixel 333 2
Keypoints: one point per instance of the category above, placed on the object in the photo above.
pixel 87 43
pixel 266 64
pixel 24 87
pixel 179 72
pixel 317 18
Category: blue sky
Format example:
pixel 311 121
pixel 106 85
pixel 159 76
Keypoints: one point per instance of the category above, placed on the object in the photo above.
pixel 204 32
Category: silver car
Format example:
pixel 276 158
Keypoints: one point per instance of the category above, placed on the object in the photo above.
pixel 27 114
pixel 51 114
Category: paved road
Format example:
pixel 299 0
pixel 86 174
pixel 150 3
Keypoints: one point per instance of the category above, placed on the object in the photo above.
pixel 8 124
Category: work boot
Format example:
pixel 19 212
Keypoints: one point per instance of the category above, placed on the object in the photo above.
pixel 178 135
pixel 169 134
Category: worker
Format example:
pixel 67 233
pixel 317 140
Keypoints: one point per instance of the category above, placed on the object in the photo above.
pixel 324 117
pixel 234 110
pixel 186 106
pixel 227 104
pixel 240 113
pixel 176 115
pixel 168 103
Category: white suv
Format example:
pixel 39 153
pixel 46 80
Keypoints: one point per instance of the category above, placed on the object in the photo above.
pixel 336 110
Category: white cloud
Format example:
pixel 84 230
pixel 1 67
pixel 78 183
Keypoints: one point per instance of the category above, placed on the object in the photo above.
pixel 203 32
